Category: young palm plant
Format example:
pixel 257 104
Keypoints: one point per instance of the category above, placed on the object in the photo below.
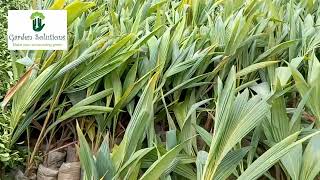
pixel 190 89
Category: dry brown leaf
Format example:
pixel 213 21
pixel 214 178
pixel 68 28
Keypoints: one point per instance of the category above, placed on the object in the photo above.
pixel 17 86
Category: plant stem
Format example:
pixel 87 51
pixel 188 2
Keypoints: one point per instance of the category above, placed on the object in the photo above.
pixel 42 133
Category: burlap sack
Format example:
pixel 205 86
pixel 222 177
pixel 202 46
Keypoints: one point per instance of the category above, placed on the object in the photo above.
pixel 69 171
pixel 45 173
pixel 55 159
pixel 72 154
pixel 18 175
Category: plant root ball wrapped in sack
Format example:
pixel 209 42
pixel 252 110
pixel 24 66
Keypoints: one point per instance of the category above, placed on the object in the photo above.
pixel 55 159
pixel 70 171
pixel 45 173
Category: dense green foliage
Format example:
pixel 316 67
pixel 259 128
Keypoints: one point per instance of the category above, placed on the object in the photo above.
pixel 8 156
pixel 4 53
pixel 190 89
